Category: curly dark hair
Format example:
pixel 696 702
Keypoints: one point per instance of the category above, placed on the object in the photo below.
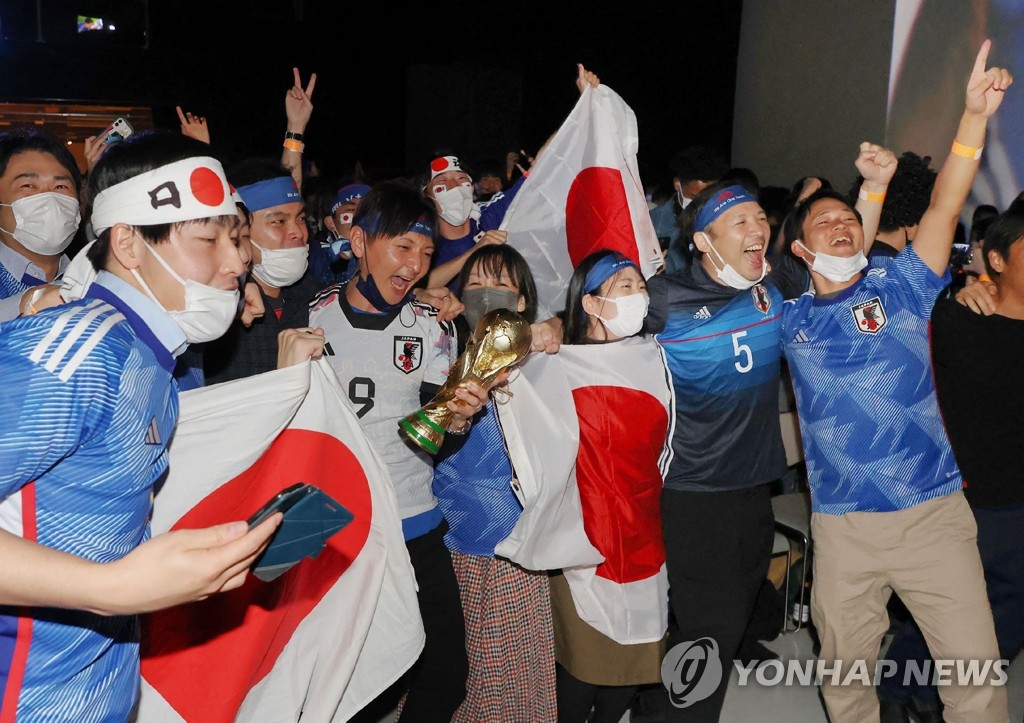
pixel 908 195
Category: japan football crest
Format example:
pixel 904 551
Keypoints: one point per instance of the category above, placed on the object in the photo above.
pixel 762 301
pixel 408 353
pixel 869 316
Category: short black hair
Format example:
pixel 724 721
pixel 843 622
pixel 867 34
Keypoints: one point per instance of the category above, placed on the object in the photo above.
pixel 793 227
pixel 1004 232
pixel 31 138
pixel 139 153
pixel 255 169
pixel 493 260
pixel 742 177
pixel 698 163
pixel 391 208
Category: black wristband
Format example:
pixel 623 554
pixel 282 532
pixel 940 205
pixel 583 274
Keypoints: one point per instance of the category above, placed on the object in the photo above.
pixel 295 136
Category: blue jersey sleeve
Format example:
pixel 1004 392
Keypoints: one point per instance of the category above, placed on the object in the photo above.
pixel 911 280
pixel 44 417
pixel 492 212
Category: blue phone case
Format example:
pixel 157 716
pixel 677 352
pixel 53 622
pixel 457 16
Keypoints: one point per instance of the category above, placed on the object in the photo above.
pixel 308 523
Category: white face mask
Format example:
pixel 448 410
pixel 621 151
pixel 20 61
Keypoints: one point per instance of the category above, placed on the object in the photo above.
pixel 280 267
pixel 632 309
pixel 730 276
pixel 837 268
pixel 45 223
pixel 455 204
pixel 683 200
pixel 208 311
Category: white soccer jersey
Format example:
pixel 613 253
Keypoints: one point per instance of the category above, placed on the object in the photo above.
pixel 382 360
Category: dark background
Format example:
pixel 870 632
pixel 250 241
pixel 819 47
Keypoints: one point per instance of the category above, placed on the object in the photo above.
pixel 394 82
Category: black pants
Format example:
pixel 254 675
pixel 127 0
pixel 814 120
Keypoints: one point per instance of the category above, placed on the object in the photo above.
pixel 717 548
pixel 437 682
pixel 580 702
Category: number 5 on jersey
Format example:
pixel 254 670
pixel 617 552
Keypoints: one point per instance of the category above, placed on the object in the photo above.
pixel 743 352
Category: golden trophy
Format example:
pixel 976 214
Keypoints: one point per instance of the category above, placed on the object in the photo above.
pixel 502 338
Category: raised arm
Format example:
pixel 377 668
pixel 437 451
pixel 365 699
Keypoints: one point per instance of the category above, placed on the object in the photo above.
pixel 298 107
pixel 876 166
pixel 935 234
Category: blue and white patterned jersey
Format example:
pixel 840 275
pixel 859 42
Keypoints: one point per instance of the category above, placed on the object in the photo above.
pixel 861 363
pixel 86 411
pixel 17 275
pixel 474 488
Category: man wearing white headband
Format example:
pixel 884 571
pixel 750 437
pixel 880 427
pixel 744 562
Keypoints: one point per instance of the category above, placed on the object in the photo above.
pixel 462 223
pixel 280 259
pixel 87 410
pixel 39 213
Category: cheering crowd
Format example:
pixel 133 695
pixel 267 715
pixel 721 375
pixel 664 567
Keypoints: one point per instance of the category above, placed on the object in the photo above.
pixel 193 274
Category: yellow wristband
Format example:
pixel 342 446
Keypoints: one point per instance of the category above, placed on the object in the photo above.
pixel 985 277
pixel 293 145
pixel 966 151
pixel 871 197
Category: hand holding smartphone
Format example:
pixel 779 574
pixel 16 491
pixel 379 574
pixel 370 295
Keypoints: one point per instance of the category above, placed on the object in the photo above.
pixel 117 131
pixel 311 517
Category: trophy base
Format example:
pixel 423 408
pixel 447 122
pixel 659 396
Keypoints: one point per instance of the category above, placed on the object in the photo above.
pixel 423 431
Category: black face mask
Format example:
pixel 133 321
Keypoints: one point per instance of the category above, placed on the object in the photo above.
pixel 482 300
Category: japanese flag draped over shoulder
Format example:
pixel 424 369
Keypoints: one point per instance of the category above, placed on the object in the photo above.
pixel 583 194
pixel 591 425
pixel 329 635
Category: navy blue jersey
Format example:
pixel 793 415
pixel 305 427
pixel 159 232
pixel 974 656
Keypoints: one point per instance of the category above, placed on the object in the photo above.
pixel 722 349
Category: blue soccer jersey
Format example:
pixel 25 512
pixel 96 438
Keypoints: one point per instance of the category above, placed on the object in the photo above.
pixel 87 409
pixel 18 275
pixel 872 433
pixel 722 349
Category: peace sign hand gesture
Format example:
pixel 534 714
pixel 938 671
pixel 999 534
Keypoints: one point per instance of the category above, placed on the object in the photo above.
pixel 298 103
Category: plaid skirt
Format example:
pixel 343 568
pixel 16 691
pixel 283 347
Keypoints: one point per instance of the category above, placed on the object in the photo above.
pixel 509 640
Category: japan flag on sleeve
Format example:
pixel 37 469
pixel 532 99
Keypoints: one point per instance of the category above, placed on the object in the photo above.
pixel 327 636
pixel 587 431
pixel 583 194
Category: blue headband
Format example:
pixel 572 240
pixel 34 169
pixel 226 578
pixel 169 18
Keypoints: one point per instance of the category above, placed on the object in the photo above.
pixel 420 225
pixel 351 192
pixel 272 192
pixel 604 269
pixel 720 203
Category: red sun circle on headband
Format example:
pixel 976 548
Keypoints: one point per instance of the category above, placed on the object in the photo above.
pixel 207 186
pixel 441 164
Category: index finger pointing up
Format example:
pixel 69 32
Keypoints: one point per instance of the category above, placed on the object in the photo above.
pixel 981 62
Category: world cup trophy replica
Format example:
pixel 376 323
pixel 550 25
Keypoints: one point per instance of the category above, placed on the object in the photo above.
pixel 502 338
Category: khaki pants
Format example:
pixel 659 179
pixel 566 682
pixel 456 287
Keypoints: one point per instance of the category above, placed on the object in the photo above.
pixel 928 554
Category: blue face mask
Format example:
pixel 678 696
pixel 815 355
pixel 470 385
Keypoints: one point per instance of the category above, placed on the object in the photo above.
pixel 368 288
pixel 339 247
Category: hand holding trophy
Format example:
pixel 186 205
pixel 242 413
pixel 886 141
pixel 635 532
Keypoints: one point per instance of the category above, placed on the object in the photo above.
pixel 502 338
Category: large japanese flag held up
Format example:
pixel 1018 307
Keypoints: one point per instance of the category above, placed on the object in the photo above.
pixel 583 194
pixel 614 406
pixel 329 635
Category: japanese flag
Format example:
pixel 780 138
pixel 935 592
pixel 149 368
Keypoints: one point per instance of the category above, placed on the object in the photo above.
pixel 329 635
pixel 583 194
pixel 587 431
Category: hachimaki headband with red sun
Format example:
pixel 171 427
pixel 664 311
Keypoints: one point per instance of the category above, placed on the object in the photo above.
pixel 185 190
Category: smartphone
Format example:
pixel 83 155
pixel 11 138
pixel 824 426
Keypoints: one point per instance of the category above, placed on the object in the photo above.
pixel 961 255
pixel 281 502
pixel 311 518
pixel 117 131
